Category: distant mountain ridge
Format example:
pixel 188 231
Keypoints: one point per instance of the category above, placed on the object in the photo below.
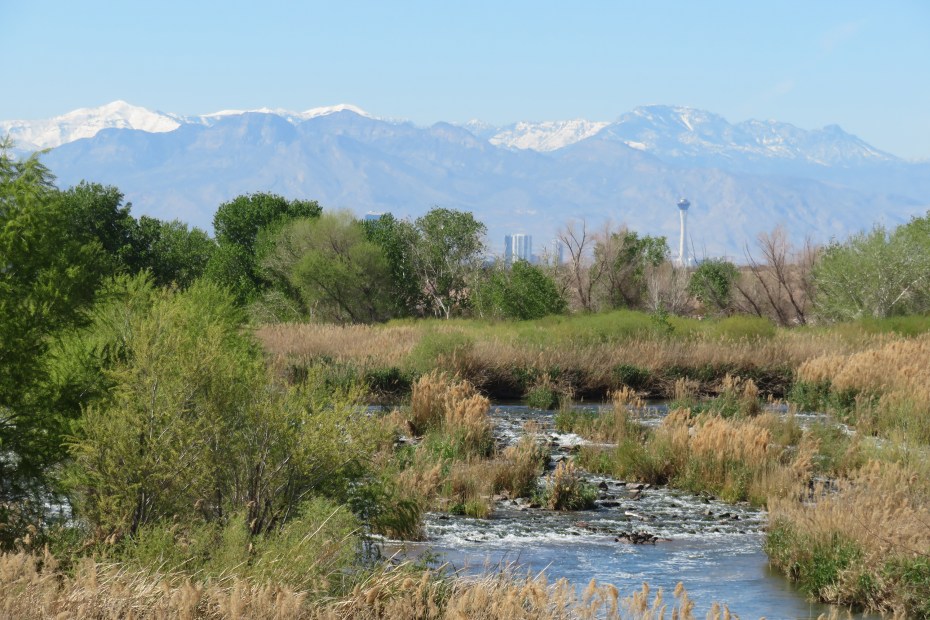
pixel 742 178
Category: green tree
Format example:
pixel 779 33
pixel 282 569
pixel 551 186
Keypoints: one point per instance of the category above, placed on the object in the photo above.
pixel 627 257
pixel 340 275
pixel 875 274
pixel 237 225
pixel 172 252
pixel 397 238
pixel 522 292
pixel 446 250
pixel 55 249
pixel 712 284
pixel 97 212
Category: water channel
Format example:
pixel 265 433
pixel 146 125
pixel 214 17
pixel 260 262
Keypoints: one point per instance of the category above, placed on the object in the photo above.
pixel 714 548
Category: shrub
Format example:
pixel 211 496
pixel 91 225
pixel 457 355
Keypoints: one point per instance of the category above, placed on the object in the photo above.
pixel 566 489
pixel 438 349
pixel 631 376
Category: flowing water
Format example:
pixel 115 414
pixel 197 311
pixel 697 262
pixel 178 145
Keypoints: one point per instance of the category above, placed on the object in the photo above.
pixel 714 548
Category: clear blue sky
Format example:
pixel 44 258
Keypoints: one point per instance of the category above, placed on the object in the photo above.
pixel 863 65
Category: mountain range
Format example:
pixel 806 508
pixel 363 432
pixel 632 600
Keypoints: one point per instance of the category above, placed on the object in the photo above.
pixel 530 177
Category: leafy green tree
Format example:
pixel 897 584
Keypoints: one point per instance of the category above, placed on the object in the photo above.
pixel 712 284
pixel 97 212
pixel 446 251
pixel 522 292
pixel 55 249
pixel 875 274
pixel 397 238
pixel 172 252
pixel 237 225
pixel 337 271
pixel 627 257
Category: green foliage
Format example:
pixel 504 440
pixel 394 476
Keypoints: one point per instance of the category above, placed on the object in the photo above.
pixel 390 380
pixel 712 284
pixel 626 258
pixel 542 397
pixel 876 274
pixel 53 254
pixel 238 225
pixel 397 239
pixel 816 567
pixel 631 375
pixel 313 548
pixel 172 252
pixel 341 276
pixel 565 489
pixel 446 251
pixel 191 428
pixel 743 327
pixel 437 349
pixel 522 292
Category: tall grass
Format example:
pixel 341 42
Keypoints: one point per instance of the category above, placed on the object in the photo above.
pixel 885 389
pixel 32 587
pixel 733 458
pixel 866 542
pixel 592 354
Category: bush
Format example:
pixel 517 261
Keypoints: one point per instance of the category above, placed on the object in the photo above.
pixel 522 292
pixel 631 376
pixel 566 489
pixel 438 349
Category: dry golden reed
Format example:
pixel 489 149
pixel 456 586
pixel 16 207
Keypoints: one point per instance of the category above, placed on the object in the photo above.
pixel 33 588
pixel 496 351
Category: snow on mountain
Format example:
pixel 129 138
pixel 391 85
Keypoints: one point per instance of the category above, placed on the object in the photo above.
pixel 741 178
pixel 289 115
pixel 30 135
pixel 697 136
pixel 546 136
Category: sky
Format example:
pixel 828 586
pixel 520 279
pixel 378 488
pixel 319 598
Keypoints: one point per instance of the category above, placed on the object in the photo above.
pixel 862 65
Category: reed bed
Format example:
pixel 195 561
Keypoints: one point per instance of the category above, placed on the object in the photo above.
pixel 886 387
pixel 735 458
pixel 584 352
pixel 32 587
pixel 865 542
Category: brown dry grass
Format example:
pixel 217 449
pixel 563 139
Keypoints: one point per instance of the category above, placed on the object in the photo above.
pixel 32 588
pixel 495 352
pixel 897 366
pixel 881 516
pixel 892 381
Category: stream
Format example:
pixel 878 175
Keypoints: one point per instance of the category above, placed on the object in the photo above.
pixel 714 548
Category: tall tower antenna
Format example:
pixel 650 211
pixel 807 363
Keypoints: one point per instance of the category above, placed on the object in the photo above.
pixel 683 259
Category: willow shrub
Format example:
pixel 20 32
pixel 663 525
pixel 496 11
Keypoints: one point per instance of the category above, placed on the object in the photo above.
pixel 193 429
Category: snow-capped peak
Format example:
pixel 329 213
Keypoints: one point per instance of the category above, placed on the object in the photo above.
pixel 85 123
pixel 547 135
pixel 290 115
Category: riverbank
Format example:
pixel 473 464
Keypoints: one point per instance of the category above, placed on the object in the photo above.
pixel 586 356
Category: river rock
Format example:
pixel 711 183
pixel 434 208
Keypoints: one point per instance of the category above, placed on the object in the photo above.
pixel 637 538
pixel 603 485
pixel 610 504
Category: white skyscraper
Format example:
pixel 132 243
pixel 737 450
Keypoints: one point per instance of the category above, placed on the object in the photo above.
pixel 521 247
pixel 684 259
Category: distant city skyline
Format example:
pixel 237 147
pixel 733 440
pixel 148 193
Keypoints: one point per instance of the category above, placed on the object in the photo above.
pixel 858 64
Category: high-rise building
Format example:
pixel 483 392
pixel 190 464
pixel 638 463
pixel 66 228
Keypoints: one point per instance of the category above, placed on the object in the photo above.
pixel 521 247
pixel 684 259
pixel 508 249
